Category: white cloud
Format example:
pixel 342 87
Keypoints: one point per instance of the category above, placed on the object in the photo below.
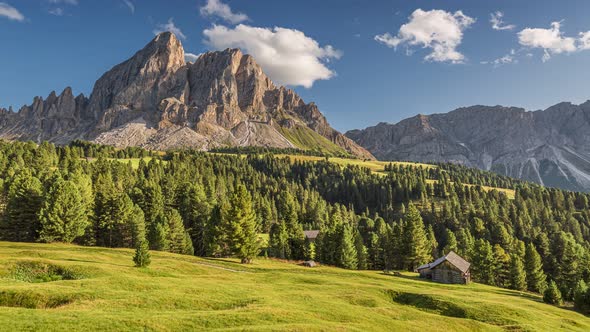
pixel 222 10
pixel 130 5
pixel 438 30
pixel 191 57
pixel 498 23
pixel 171 27
pixel 56 11
pixel 584 40
pixel 509 58
pixel 288 56
pixel 550 40
pixel 66 2
pixel 10 12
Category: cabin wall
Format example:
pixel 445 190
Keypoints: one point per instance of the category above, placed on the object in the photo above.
pixel 447 274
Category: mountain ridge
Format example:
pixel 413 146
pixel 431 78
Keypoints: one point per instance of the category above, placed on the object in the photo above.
pixel 157 100
pixel 550 147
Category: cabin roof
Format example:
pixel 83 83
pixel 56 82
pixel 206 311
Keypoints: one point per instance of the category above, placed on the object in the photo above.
pixel 311 234
pixel 452 258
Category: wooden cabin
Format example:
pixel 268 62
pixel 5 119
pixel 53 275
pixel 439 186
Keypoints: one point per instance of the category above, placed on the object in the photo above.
pixel 311 235
pixel 448 269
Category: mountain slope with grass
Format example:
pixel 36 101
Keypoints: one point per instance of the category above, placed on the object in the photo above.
pixel 179 292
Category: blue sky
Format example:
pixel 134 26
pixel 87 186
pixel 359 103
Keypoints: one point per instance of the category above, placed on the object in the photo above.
pixel 358 81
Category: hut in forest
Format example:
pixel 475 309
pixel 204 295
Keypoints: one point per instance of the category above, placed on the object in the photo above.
pixel 448 269
pixel 311 235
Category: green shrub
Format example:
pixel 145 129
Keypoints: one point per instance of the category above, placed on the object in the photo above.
pixel 552 294
pixel 35 272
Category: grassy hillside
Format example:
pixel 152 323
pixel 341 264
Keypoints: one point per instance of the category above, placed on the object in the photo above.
pixel 307 139
pixel 184 292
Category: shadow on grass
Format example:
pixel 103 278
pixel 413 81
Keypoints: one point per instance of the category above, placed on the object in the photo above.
pixel 413 278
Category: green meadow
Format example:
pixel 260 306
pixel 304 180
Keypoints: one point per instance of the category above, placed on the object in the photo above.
pixel 57 287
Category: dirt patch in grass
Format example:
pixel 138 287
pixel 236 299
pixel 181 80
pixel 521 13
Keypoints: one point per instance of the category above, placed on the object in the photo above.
pixel 33 300
pixel 38 271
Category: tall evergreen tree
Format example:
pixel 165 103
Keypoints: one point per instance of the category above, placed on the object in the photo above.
pixel 415 242
pixel 534 270
pixel 21 222
pixel 347 254
pixel 239 223
pixel 483 262
pixel 64 215
pixel 517 273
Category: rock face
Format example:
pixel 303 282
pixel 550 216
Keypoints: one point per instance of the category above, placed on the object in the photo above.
pixel 550 147
pixel 157 100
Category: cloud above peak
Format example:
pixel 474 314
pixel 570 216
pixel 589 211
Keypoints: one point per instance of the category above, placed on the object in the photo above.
pixel 223 11
pixel 288 56
pixel 10 12
pixel 439 30
pixel 170 27
pixel 498 23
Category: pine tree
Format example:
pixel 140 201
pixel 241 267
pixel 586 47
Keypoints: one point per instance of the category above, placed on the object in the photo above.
pixel 517 273
pixel 501 267
pixel 64 215
pixel 552 295
pixel 361 250
pixel 415 242
pixel 239 223
pixel 534 270
pixel 177 238
pixel 142 257
pixel 451 244
pixel 483 262
pixel 432 241
pixel 279 241
pixel 582 297
pixel 21 221
pixel 347 254
pixel 309 250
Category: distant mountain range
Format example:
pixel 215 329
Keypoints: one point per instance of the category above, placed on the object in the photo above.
pixel 550 147
pixel 157 100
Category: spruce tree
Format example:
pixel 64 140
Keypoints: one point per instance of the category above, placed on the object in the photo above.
pixel 451 243
pixel 142 257
pixel 279 241
pixel 552 295
pixel 21 221
pixel 239 224
pixel 582 297
pixel 501 267
pixel 347 254
pixel 483 262
pixel 517 273
pixel 415 242
pixel 64 215
pixel 361 250
pixel 534 270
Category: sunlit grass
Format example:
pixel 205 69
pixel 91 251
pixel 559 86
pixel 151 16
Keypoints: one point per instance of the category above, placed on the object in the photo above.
pixel 188 293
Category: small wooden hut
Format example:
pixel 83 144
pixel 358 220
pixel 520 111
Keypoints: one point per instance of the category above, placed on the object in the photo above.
pixel 311 235
pixel 448 269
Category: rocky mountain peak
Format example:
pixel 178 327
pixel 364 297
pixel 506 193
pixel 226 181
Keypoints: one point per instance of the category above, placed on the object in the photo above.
pixel 156 100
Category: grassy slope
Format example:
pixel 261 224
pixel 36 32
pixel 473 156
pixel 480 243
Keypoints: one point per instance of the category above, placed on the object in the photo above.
pixel 183 292
pixel 307 139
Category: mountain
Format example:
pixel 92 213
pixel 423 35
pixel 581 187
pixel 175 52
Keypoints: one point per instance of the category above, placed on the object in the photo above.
pixel 157 100
pixel 550 147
